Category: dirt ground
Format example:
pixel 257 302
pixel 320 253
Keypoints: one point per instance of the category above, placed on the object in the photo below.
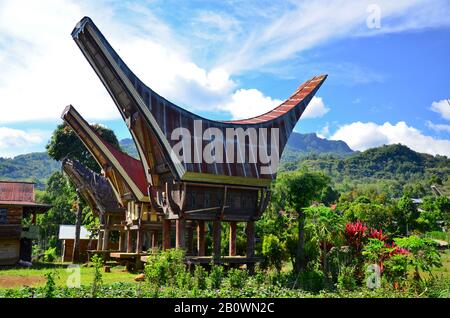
pixel 20 281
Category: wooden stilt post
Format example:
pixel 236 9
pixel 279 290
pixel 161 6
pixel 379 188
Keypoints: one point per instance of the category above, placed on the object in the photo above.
pixel 217 233
pixel 166 234
pixel 139 240
pixel 190 239
pixel 106 240
pixel 122 241
pixel 232 246
pixel 154 240
pixel 129 241
pixel 180 233
pixel 250 231
pixel 100 240
pixel 201 238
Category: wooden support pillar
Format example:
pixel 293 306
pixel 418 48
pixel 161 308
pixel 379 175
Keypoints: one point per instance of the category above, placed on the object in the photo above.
pixel 250 231
pixel 106 240
pixel 217 233
pixel 180 241
pixel 76 243
pixel 122 241
pixel 100 240
pixel 201 238
pixel 166 234
pixel 190 239
pixel 129 241
pixel 154 239
pixel 139 240
pixel 232 246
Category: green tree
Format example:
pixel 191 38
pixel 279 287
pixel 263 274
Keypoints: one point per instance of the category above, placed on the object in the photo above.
pixel 407 213
pixel 65 143
pixel 292 192
pixel 325 228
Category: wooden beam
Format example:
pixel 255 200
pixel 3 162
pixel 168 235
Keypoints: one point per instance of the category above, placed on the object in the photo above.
pixel 232 244
pixel 106 240
pixel 180 241
pixel 100 240
pixel 201 238
pixel 154 243
pixel 217 233
pixel 166 234
pixel 250 231
pixel 139 241
pixel 122 241
pixel 190 240
pixel 129 241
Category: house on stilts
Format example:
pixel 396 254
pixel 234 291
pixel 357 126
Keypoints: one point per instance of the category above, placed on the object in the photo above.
pixel 181 184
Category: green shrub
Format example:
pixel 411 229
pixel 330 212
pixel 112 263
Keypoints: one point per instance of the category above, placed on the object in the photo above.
pixel 237 277
pixel 50 254
pixel 216 276
pixel 346 278
pixel 312 280
pixel 98 280
pixel 200 277
pixel 274 250
pixel 50 286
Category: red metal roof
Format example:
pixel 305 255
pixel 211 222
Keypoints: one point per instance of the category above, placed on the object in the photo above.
pixel 300 94
pixel 17 191
pixel 132 166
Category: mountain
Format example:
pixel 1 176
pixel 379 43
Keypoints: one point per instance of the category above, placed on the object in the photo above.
pixel 311 143
pixel 335 158
pixel 389 162
pixel 35 167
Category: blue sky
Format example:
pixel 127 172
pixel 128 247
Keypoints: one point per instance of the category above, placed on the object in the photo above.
pixel 388 65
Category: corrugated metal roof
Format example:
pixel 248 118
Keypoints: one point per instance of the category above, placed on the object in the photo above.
pixel 16 191
pixel 67 232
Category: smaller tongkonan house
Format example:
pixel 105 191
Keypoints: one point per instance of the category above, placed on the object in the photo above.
pixel 17 202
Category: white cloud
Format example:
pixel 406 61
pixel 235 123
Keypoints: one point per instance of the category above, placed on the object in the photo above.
pixel 442 107
pixel 302 25
pixel 362 136
pixel 245 103
pixel 438 127
pixel 315 109
pixel 324 132
pixel 16 141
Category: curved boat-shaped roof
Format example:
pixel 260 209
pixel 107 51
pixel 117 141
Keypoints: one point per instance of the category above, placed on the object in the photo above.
pixel 141 107
pixel 128 173
pixel 95 188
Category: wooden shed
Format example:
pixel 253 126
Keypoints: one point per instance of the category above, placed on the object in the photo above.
pixel 17 201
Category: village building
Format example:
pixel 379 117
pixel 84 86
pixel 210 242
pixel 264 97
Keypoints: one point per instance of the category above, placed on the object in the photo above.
pixel 66 234
pixel 197 191
pixel 17 204
pixel 141 227
pixel 99 195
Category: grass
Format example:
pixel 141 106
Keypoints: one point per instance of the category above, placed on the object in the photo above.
pixel 34 277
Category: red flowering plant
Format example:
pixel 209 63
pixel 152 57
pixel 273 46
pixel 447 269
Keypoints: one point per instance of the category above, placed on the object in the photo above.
pixel 355 234
pixel 377 234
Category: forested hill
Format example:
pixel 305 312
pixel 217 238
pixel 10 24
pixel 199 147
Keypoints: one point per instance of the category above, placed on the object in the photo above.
pixel 393 162
pixel 35 167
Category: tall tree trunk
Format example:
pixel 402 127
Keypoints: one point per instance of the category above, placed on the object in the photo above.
pixel 300 262
pixel 76 244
